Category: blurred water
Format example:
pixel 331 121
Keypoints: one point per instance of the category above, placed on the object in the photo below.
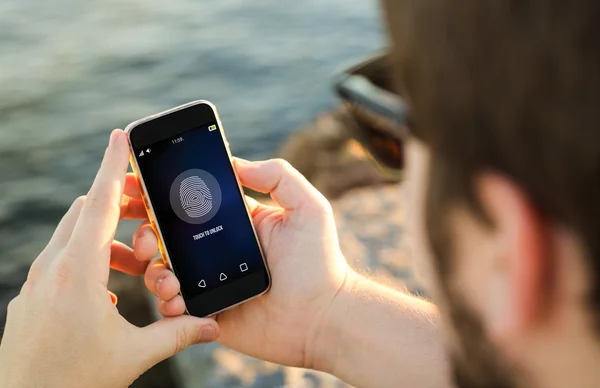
pixel 72 67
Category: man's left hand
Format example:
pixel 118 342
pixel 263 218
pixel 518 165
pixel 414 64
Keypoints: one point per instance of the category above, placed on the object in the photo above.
pixel 63 329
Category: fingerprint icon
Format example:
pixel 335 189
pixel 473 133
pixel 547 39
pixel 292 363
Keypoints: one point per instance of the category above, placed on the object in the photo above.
pixel 196 198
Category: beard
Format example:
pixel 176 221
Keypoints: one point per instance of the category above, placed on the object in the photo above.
pixel 475 360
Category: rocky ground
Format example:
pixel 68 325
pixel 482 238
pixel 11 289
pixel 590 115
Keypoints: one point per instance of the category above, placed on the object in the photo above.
pixel 38 183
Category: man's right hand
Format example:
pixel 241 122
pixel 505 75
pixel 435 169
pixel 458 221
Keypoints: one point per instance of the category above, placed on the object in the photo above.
pixel 300 242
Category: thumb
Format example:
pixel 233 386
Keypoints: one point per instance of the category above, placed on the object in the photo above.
pixel 169 336
pixel 287 186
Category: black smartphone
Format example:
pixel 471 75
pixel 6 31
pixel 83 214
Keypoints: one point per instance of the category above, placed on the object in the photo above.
pixel 197 207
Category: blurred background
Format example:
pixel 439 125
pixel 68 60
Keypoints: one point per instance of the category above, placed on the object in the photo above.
pixel 71 71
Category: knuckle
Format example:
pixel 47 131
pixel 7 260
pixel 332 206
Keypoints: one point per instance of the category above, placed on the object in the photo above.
pixel 319 206
pixel 282 164
pixel 79 202
pixel 325 205
pixel 182 337
pixel 94 201
pixel 35 271
pixel 62 271
pixel 12 305
pixel 100 203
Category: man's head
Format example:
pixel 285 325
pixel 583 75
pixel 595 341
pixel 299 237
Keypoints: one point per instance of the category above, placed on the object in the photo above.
pixel 505 97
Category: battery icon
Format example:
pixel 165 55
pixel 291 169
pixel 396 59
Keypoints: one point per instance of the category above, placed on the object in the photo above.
pixel 212 127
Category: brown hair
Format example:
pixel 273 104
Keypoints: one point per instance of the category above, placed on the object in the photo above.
pixel 511 86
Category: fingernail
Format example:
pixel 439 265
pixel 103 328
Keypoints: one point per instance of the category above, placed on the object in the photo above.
pixel 114 136
pixel 113 298
pixel 138 235
pixel 207 334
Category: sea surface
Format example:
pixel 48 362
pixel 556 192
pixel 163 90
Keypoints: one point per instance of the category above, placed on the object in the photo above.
pixel 72 68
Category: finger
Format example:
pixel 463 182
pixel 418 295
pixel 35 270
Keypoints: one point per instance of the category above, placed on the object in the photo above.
pixel 123 259
pixel 132 209
pixel 287 186
pixel 145 243
pixel 63 231
pixel 132 189
pixel 169 336
pixel 259 212
pixel 96 226
pixel 252 204
pixel 159 279
pixel 167 286
pixel 171 308
pixel 113 297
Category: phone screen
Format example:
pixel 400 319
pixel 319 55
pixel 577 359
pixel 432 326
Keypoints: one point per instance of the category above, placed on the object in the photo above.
pixel 200 211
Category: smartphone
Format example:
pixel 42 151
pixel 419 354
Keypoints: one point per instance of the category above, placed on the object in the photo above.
pixel 197 207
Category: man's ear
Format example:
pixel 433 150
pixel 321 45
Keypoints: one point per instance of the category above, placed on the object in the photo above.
pixel 521 272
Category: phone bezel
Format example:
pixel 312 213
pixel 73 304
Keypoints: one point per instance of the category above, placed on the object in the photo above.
pixel 163 126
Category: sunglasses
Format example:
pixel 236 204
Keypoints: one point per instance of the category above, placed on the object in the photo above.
pixel 380 116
